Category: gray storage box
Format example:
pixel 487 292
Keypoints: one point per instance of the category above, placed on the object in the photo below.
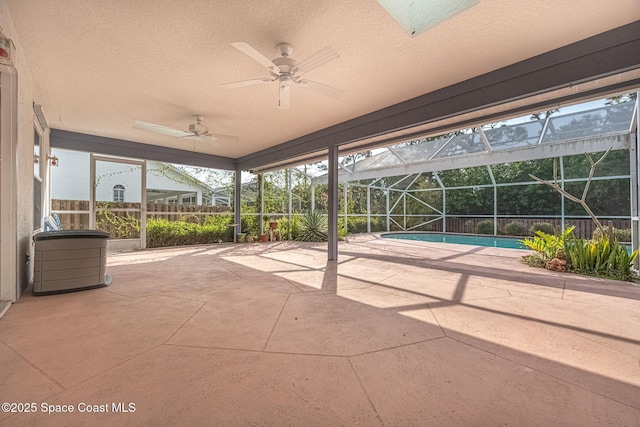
pixel 69 260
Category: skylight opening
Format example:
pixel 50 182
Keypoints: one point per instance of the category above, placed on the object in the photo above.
pixel 417 16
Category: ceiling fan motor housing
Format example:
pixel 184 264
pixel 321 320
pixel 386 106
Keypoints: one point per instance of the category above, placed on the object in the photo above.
pixel 285 64
pixel 198 129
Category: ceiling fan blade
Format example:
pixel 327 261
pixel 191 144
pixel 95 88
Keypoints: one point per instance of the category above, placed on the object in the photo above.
pixel 285 96
pixel 203 138
pixel 246 83
pixel 256 56
pixel 315 60
pixel 163 130
pixel 321 88
pixel 216 136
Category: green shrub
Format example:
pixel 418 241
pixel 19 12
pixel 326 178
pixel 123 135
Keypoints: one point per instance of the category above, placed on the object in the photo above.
pixel 484 227
pixel 514 228
pixel 119 225
pixel 162 232
pixel 619 234
pixel 313 227
pixel 249 224
pixel 289 230
pixel 600 258
pixel 357 224
pixel 547 245
pixel 545 227
pixel 469 226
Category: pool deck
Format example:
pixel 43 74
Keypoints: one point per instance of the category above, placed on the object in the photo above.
pixel 395 333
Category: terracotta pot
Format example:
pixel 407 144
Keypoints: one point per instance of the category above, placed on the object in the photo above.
pixel 273 225
pixel 264 237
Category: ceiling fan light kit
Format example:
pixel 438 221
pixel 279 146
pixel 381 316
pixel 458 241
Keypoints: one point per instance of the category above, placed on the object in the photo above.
pixel 286 70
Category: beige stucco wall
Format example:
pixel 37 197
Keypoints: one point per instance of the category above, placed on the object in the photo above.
pixel 24 156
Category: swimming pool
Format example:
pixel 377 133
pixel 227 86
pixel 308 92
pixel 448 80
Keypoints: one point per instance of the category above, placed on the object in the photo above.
pixel 488 241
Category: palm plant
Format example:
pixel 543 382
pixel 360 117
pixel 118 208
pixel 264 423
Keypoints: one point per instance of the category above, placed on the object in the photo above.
pixel 313 227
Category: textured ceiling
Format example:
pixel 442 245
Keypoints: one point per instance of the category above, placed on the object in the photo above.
pixel 99 66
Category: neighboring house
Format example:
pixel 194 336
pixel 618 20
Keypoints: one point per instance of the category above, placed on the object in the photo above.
pixel 121 182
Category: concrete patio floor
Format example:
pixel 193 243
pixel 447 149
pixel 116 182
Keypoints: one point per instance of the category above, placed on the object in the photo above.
pixel 395 333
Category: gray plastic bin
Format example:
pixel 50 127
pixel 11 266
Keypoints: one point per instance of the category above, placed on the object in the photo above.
pixel 69 261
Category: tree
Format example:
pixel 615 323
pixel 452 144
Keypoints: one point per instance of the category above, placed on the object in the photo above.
pixel 582 201
pixel 618 99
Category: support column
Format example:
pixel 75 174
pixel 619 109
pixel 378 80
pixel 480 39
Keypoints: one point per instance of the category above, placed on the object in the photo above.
pixel 634 161
pixel 444 210
pixel 444 201
pixel 369 208
pixel 388 219
pixel 313 196
pixel 236 206
pixel 495 200
pixel 562 221
pixel 332 204
pixel 404 211
pixel 143 206
pixel 345 188
pixel 290 209
pixel 261 200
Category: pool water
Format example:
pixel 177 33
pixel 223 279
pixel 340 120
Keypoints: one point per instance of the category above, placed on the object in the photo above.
pixel 488 241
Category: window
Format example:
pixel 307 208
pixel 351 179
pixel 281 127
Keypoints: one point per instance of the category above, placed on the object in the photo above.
pixel 118 193
pixel 189 200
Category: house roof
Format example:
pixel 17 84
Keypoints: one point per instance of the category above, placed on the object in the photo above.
pixel 99 66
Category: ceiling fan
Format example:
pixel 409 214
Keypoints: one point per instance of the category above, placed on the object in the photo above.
pixel 286 70
pixel 196 130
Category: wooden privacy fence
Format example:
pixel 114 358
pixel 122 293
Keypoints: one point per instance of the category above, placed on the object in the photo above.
pixel 584 226
pixel 194 213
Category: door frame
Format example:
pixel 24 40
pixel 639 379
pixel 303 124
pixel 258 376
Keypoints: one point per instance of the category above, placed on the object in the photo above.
pixel 120 244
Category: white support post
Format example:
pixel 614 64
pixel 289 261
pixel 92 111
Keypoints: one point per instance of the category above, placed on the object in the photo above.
pixel 495 200
pixel 143 207
pixel 345 188
pixel 634 160
pixel 388 217
pixel 544 129
pixel 236 207
pixel 444 210
pixel 261 229
pixel 92 192
pixel 369 208
pixel 562 195
pixel 290 195
pixel 404 210
pixel 332 204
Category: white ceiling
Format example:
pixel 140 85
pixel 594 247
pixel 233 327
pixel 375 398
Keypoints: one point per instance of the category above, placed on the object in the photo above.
pixel 100 65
